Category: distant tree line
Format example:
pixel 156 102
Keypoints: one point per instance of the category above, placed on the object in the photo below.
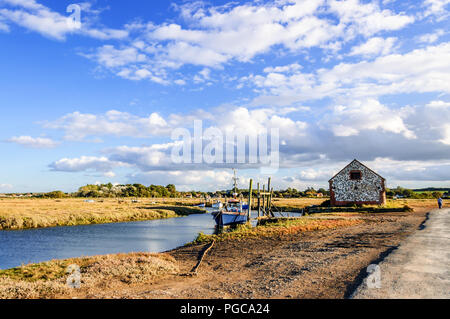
pixel 416 194
pixel 156 191
pixel 111 191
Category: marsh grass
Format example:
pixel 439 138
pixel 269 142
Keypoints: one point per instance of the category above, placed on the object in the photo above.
pixel 296 204
pixel 36 213
pixel 48 280
pixel 276 228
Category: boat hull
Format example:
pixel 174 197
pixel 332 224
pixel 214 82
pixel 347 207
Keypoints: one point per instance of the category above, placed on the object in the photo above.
pixel 226 218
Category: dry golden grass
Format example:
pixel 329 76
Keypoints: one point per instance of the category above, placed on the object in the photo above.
pixel 35 213
pixel 278 228
pixel 294 204
pixel 421 203
pixel 299 203
pixel 49 279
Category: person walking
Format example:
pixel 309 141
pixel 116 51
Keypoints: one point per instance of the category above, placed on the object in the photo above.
pixel 440 202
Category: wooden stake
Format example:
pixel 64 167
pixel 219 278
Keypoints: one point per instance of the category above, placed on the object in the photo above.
pixel 264 200
pixel 270 208
pixel 250 200
pixel 268 197
pixel 259 202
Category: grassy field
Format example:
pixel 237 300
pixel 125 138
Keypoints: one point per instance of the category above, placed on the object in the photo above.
pixel 35 213
pixel 293 204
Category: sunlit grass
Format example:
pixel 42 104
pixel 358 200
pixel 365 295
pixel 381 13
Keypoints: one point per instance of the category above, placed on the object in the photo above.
pixel 277 228
pixel 35 213
pixel 46 280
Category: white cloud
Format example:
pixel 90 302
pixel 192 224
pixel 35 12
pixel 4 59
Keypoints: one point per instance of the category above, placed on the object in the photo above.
pixel 446 134
pixel 294 67
pixel 315 174
pixel 186 180
pixel 374 47
pixel 3 26
pixel 411 170
pixel 143 157
pixel 259 121
pixel 6 186
pixel 438 8
pixel 33 142
pixel 77 125
pixel 84 163
pixel 180 82
pixel 216 35
pixel 417 71
pixel 109 174
pixel 370 114
pixel 39 18
pixel 438 105
pixel 185 53
pixel 431 37
pixel 368 18
pixel 111 57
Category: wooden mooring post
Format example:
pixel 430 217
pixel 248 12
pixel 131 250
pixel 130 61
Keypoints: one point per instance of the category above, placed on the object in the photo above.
pixel 264 200
pixel 259 202
pixel 268 198
pixel 250 195
pixel 265 207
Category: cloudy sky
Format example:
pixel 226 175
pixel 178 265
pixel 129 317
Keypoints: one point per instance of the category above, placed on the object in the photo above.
pixel 98 101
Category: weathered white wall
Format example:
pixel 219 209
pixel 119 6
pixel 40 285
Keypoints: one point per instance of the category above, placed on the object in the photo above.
pixel 368 188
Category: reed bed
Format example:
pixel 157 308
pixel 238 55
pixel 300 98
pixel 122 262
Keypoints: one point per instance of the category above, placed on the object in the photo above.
pixel 36 213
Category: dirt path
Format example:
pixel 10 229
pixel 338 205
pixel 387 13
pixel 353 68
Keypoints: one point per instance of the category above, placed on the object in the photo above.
pixel 420 267
pixel 318 264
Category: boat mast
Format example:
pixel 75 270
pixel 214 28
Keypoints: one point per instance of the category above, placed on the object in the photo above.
pixel 235 180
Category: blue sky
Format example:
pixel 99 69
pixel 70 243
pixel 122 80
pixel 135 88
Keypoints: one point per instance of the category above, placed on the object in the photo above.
pixel 97 102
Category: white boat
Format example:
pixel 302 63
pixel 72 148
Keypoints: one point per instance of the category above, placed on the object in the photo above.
pixel 217 204
pixel 233 213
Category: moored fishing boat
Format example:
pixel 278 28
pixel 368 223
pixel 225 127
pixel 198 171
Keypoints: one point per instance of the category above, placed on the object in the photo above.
pixel 233 213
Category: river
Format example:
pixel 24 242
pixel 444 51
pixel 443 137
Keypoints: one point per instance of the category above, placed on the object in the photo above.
pixel 19 247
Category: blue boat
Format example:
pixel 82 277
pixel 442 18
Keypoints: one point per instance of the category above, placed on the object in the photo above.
pixel 233 213
pixel 200 205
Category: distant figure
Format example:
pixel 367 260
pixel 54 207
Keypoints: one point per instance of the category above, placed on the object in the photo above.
pixel 440 202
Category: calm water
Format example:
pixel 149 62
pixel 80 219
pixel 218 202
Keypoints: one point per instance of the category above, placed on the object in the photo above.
pixel 36 245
